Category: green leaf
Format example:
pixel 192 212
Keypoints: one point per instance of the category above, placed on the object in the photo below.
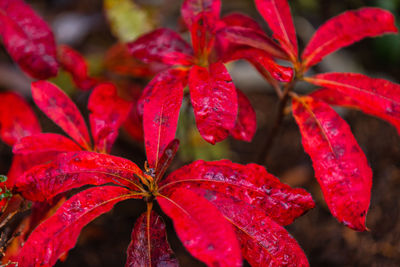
pixel 127 20
pixel 3 178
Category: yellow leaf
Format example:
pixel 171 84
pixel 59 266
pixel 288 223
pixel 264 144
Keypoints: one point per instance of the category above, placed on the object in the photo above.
pixel 127 20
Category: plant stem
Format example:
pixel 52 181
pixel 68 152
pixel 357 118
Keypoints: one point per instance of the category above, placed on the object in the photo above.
pixel 283 99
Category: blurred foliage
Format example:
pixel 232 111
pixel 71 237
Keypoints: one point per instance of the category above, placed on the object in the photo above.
pixel 127 19
pixel 192 145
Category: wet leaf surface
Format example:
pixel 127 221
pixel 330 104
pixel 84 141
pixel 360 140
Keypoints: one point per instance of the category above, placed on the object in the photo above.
pixel 214 100
pixel 59 233
pixel 74 170
pixel 139 249
pixel 28 39
pixel 201 227
pixel 340 165
pixel 345 29
pixel 377 97
pixel 277 14
pixel 60 108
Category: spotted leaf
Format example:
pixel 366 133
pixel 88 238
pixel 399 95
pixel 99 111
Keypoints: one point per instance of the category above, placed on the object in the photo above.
pixel 74 170
pixel 60 108
pixel 201 227
pixel 28 39
pixel 377 97
pixel 149 245
pixel 345 29
pixel 214 100
pixel 340 165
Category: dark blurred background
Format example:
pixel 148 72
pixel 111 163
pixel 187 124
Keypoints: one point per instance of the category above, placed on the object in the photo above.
pixel 83 25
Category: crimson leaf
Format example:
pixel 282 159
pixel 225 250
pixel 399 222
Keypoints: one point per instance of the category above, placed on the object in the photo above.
pixel 340 166
pixel 17 119
pixel 249 183
pixel 28 39
pixel 149 245
pixel 162 45
pixel 201 227
pixel 60 108
pixel 59 233
pixel 76 169
pixel 378 97
pixel 345 29
pixel 277 14
pixel 108 112
pixel 162 101
pixel 214 101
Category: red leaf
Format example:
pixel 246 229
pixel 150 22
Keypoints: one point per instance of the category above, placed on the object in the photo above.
pixel 166 158
pixel 162 45
pixel 76 169
pixel 377 97
pixel 76 65
pixel 44 142
pixel 277 14
pixel 249 183
pixel 340 166
pixel 28 39
pixel 214 101
pixel 149 245
pixel 161 111
pixel 203 35
pixel 192 8
pixel 108 112
pixel 346 29
pixel 253 38
pixel 22 163
pixel 246 123
pixel 133 125
pixel 242 20
pixel 17 119
pixel 338 98
pixel 263 241
pixel 119 60
pixel 59 233
pixel 60 108
pixel 201 227
pixel 262 61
